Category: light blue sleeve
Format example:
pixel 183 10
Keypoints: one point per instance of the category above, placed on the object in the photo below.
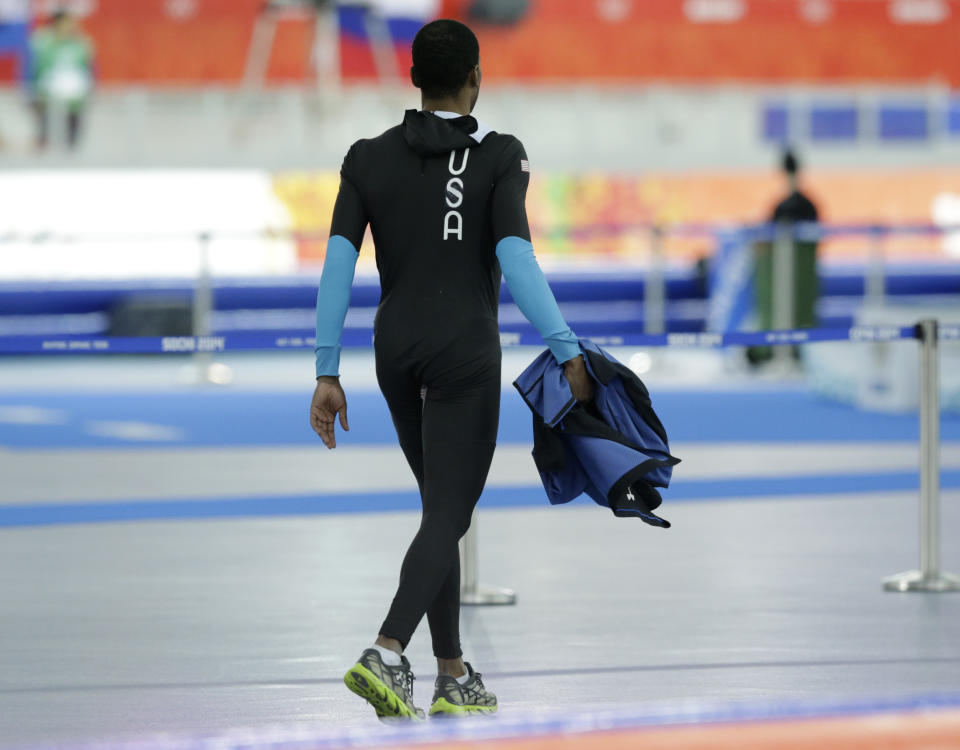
pixel 532 294
pixel 333 298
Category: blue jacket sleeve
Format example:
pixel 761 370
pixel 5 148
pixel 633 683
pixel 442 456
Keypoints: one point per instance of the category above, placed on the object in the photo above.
pixel 532 294
pixel 333 298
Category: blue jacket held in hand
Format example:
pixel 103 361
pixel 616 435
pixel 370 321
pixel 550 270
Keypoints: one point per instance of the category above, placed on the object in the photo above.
pixel 614 449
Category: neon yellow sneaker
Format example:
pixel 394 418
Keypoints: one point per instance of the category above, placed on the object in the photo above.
pixel 450 698
pixel 388 689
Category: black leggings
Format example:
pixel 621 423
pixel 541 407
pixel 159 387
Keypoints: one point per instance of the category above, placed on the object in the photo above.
pixel 448 437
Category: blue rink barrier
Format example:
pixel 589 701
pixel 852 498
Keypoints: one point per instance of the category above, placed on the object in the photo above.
pixel 256 341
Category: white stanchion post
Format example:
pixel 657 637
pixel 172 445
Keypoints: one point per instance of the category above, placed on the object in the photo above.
pixel 654 292
pixel 874 291
pixel 326 51
pixel 875 287
pixel 471 592
pixel 381 45
pixel 203 293
pixel 205 370
pixel 929 577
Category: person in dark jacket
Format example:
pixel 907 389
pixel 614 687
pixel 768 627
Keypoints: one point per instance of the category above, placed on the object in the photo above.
pixel 444 197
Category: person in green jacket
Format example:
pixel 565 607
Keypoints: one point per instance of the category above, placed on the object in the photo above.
pixel 794 208
pixel 61 75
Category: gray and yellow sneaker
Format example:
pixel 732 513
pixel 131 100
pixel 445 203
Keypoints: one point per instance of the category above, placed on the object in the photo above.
pixel 388 689
pixel 450 698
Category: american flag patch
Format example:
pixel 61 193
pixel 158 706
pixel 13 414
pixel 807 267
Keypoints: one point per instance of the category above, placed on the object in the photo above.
pixel 524 165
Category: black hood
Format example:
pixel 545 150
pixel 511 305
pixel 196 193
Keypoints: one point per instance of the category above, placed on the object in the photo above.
pixel 430 135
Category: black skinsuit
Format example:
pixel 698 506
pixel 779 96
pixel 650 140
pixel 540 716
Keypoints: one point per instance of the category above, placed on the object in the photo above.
pixel 437 202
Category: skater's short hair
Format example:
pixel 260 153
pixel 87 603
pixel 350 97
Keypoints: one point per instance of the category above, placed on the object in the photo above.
pixel 444 53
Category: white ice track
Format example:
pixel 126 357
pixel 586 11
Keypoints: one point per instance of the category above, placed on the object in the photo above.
pixel 123 629
pixel 105 475
pixel 207 626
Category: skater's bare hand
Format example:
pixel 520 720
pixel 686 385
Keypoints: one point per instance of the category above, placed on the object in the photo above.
pixel 329 401
pixel 575 372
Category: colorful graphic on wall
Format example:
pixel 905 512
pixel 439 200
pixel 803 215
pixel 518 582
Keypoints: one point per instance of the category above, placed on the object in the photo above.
pixel 253 224
pixel 599 219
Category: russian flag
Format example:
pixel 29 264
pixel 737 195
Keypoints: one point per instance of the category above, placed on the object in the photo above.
pixel 14 39
pixel 375 36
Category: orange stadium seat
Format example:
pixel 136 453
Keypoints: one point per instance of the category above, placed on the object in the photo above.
pixel 773 41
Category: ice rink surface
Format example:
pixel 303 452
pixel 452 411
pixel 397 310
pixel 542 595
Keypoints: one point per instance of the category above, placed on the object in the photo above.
pixel 192 561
